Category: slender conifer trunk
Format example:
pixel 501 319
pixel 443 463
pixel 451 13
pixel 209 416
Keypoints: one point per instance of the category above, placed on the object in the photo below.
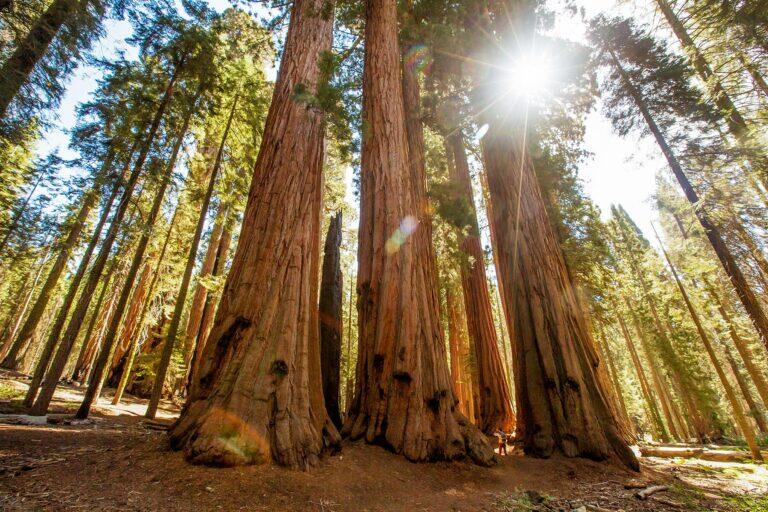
pixel 27 331
pixel 97 376
pixel 738 411
pixel 727 260
pixel 20 64
pixel 495 401
pixel 78 314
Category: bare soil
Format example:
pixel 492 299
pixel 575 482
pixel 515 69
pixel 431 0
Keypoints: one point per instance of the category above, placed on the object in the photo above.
pixel 118 462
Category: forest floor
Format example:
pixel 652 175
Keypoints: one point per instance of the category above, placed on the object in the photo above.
pixel 118 462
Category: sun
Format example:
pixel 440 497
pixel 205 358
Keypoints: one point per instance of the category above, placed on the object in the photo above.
pixel 528 76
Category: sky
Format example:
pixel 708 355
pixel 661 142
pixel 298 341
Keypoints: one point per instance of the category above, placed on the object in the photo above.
pixel 620 170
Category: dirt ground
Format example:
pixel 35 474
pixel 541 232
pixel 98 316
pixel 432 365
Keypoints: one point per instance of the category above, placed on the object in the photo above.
pixel 117 462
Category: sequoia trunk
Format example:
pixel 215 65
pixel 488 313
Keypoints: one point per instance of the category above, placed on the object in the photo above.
pixel 255 396
pixel 561 397
pixel 403 393
pixel 495 401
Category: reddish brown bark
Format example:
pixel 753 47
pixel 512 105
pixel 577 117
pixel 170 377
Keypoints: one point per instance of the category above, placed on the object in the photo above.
pixel 495 401
pixel 459 351
pixel 211 300
pixel 561 397
pixel 257 394
pixel 201 292
pixel 130 326
pixel 403 393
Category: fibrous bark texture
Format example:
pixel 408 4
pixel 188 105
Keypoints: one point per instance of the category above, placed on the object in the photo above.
pixel 562 402
pixel 330 320
pixel 403 394
pixel 257 394
pixel 495 401
pixel 458 344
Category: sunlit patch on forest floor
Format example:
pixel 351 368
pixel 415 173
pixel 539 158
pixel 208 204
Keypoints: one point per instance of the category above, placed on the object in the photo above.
pixel 116 463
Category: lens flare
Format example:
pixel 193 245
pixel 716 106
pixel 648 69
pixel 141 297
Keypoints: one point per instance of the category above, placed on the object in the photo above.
pixel 418 58
pixel 401 234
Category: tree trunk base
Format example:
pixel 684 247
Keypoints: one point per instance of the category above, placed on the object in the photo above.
pixel 216 437
pixel 460 440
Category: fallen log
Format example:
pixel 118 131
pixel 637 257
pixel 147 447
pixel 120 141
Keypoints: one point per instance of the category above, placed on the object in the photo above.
pixel 644 494
pixel 703 453
pixel 670 452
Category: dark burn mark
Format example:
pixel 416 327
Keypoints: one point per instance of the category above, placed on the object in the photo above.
pixel 279 368
pixel 403 377
pixel 378 362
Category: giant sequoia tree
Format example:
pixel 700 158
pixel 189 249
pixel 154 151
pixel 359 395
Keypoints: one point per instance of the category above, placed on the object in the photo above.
pixel 256 396
pixel 403 396
pixel 562 401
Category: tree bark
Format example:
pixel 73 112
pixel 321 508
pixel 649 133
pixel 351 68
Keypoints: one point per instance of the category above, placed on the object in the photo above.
pixel 63 313
pixel 738 412
pixel 25 297
pixel 16 70
pixel 732 269
pixel 495 401
pixel 658 383
pixel 131 325
pixel 331 286
pixel 201 292
pixel 459 351
pixel 741 380
pixel 27 331
pixel 257 394
pixel 561 396
pixel 403 394
pixel 78 314
pixel 605 355
pixel 87 353
pixel 125 373
pixel 211 302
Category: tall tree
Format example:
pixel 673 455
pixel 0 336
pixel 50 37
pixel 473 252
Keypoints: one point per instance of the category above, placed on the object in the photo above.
pixel 403 394
pixel 660 73
pixel 78 314
pixel 561 397
pixel 495 401
pixel 265 341
pixel 738 411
